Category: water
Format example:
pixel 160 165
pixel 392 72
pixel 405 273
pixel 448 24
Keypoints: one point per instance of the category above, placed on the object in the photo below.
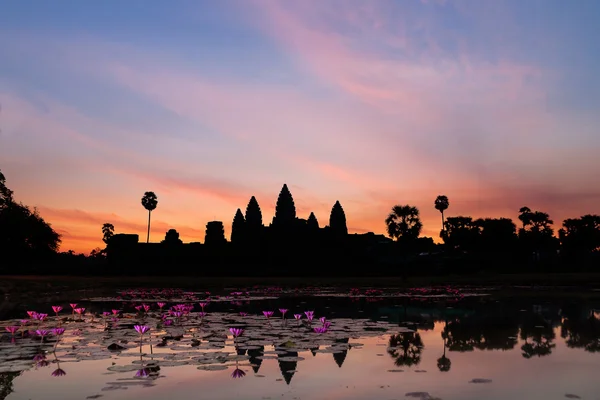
pixel 451 343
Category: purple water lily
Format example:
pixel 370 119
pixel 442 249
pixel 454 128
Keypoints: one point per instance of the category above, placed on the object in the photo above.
pixel 268 314
pixel 141 329
pixel 57 309
pixel 12 329
pixel 298 316
pixel 243 313
pixel 58 372
pixel 238 373
pixel 320 329
pixel 309 315
pixel 236 332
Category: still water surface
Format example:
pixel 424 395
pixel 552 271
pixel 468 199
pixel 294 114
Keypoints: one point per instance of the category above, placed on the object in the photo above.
pixel 451 343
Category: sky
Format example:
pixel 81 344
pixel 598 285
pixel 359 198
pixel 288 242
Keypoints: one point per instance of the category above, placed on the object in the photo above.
pixel 370 102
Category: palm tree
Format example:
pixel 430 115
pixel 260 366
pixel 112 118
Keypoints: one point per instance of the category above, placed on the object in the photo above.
pixel 525 216
pixel 404 222
pixel 108 231
pixel 441 204
pixel 149 201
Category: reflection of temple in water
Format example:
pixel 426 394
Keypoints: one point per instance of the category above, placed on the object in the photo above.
pixel 340 356
pixel 287 367
pixel 253 353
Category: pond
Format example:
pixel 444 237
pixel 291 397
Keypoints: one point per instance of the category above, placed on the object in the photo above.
pixel 304 343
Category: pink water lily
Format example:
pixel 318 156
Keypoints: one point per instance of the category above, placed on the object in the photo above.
pixel 32 314
pixel 320 329
pixel 146 307
pixel 283 311
pixel 268 314
pixel 309 315
pixel 57 309
pixel 116 312
pixel 41 317
pixel 203 304
pixel 58 331
pixel 323 319
pixel 12 329
pixel 141 329
pixel 161 305
pixel 236 332
pixel 243 313
pixel 80 310
pixel 298 316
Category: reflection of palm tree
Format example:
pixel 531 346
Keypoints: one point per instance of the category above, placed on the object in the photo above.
pixel 444 363
pixel 405 348
pixel 149 201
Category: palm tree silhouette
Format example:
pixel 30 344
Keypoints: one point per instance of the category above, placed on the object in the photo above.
pixel 525 216
pixel 403 222
pixel 441 204
pixel 108 231
pixel 149 201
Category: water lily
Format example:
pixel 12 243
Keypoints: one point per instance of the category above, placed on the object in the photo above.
pixel 161 305
pixel 12 329
pixel 236 332
pixel 42 333
pixel 283 311
pixel 309 315
pixel 268 314
pixel 141 329
pixel 32 314
pixel 57 309
pixel 298 316
pixel 243 313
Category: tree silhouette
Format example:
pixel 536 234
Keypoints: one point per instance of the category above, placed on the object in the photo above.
pixel 581 332
pixel 443 363
pixel 403 222
pixel 525 216
pixel 253 214
pixel 497 234
pixel 312 222
pixel 237 227
pixel 405 348
pixel 460 233
pixel 442 204
pixel 6 195
pixel 285 210
pixel 337 220
pixel 172 237
pixel 581 235
pixel 24 234
pixel 149 201
pixel 215 233
pixel 6 383
pixel 108 231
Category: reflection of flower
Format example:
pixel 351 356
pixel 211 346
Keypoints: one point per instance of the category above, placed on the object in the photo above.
pixel 238 373
pixel 40 360
pixel 58 372
pixel 142 373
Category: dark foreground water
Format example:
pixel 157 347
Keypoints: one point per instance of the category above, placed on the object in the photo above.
pixel 443 343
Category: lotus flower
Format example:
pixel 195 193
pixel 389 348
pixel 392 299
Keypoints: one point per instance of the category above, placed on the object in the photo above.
pixel 320 329
pixel 236 332
pixel 168 322
pixel 202 314
pixel 58 331
pixel 298 316
pixel 106 314
pixel 116 312
pixel 203 304
pixel 268 314
pixel 146 307
pixel 41 317
pixel 161 305
pixel 243 313
pixel 56 309
pixel 141 329
pixel 80 310
pixel 238 373
pixel 32 314
pixel 323 319
pixel 138 308
pixel 309 315
pixel 58 372
pixel 12 329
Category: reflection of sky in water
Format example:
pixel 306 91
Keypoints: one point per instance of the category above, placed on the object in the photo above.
pixel 363 375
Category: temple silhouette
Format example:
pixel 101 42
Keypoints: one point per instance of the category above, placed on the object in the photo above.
pixel 255 248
